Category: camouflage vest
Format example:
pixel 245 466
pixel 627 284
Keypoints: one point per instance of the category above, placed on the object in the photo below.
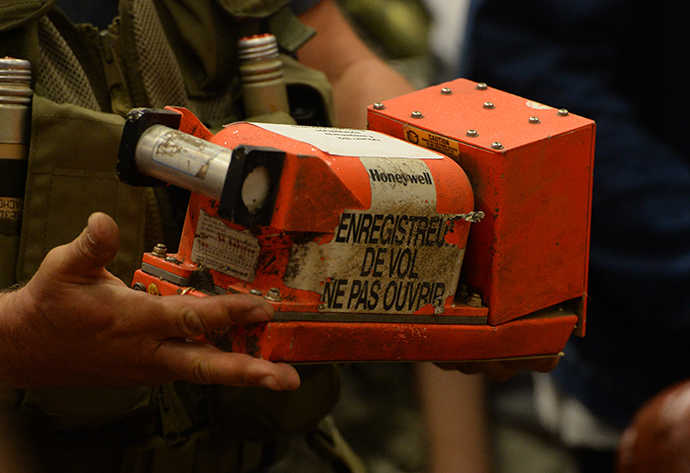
pixel 156 53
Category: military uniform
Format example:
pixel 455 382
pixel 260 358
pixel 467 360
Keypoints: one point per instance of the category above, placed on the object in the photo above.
pixel 156 53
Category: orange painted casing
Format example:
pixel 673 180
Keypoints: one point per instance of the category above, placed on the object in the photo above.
pixel 320 197
pixel 543 333
pixel 530 166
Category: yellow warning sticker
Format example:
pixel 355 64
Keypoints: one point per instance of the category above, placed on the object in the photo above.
pixel 432 141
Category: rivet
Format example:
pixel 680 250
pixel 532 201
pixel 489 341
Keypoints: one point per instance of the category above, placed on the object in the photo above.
pixel 139 287
pixel 472 133
pixel 488 105
pixel 563 112
pixel 379 106
pixel 534 120
pixel 273 294
pixel 255 292
pixel 497 145
pixel 446 91
pixel 416 114
pixel 482 86
pixel 160 250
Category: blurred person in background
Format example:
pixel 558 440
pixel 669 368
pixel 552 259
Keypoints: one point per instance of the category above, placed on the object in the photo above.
pixel 622 64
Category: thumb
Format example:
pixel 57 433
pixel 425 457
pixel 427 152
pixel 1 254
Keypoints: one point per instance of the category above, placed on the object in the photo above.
pixel 96 246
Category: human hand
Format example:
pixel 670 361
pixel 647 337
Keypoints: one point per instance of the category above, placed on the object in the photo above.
pixel 501 370
pixel 75 324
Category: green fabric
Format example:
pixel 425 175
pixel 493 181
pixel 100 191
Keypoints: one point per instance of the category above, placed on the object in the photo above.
pixel 266 414
pixel 16 13
pixel 251 8
pixel 71 174
pixel 64 409
pixel 66 183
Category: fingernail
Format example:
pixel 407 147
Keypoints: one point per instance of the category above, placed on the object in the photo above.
pixel 87 231
pixel 270 382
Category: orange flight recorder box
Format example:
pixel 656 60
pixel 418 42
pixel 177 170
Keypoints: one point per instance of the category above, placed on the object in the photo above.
pixel 530 166
pixel 370 247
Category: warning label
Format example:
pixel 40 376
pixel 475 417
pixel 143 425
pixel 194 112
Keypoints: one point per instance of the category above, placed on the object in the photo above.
pixel 432 141
pixel 224 249
pixel 392 258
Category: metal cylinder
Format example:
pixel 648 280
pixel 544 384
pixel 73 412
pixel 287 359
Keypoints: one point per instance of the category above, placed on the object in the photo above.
pixel 184 160
pixel 261 74
pixel 15 119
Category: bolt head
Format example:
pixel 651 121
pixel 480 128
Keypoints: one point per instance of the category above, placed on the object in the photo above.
pixel 563 112
pixel 482 86
pixel 160 250
pixel 496 145
pixel 446 91
pixel 472 133
pixel 379 106
pixel 489 105
pixel 273 294
pixel 417 114
pixel 534 120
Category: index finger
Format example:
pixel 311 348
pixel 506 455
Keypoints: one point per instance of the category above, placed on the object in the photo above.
pixel 183 316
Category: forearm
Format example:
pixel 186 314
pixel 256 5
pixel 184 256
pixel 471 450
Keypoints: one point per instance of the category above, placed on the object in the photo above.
pixel 358 76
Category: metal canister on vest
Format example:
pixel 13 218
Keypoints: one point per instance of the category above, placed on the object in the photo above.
pixel 15 116
pixel 261 72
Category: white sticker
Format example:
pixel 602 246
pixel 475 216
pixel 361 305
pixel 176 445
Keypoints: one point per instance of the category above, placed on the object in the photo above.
pixel 224 249
pixel 351 142
pixel 392 258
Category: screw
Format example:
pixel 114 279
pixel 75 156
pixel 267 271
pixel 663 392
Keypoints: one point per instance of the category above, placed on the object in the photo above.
pixel 497 145
pixel 379 106
pixel 160 250
pixel 563 112
pixel 139 287
pixel 482 86
pixel 489 105
pixel 472 133
pixel 534 120
pixel 273 294
pixel 255 292
pixel 417 115
pixel 446 91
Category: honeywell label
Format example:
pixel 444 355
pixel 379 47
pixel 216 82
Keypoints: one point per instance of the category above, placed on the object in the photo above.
pixel 224 249
pixel 432 141
pixel 351 142
pixel 392 258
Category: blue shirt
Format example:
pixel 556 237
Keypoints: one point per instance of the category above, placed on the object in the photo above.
pixel 623 63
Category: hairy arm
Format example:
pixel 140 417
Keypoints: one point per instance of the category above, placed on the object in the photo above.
pixel 75 324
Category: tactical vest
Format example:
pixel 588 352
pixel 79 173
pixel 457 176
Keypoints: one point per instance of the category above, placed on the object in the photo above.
pixel 156 53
